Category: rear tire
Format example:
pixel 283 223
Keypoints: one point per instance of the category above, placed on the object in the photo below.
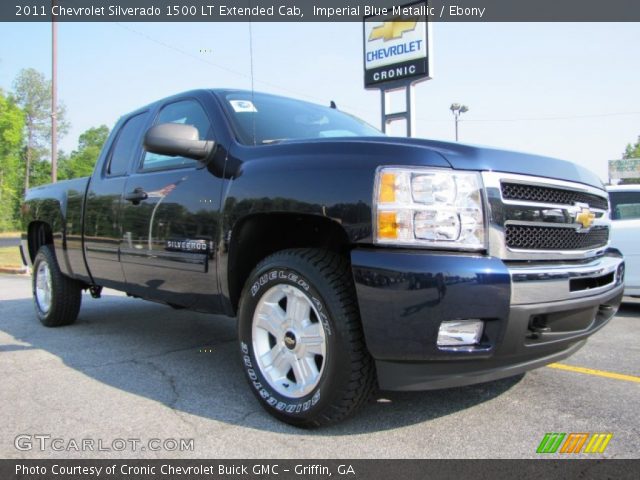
pixel 56 297
pixel 301 339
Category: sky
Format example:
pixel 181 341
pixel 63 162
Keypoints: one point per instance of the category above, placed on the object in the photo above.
pixel 566 90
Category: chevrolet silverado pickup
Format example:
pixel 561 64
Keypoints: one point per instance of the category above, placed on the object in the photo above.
pixel 352 260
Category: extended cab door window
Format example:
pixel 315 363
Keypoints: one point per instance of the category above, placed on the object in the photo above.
pixel 126 146
pixel 188 112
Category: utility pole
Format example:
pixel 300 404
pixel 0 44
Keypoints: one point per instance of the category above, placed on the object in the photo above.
pixel 54 96
pixel 457 109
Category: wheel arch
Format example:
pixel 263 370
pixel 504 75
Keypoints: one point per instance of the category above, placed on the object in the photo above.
pixel 39 233
pixel 257 236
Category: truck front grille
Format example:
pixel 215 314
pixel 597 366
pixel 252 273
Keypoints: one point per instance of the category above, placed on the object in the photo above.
pixel 538 218
pixel 528 237
pixel 536 193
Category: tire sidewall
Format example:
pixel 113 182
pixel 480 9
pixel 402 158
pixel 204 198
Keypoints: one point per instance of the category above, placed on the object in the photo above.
pixel 269 275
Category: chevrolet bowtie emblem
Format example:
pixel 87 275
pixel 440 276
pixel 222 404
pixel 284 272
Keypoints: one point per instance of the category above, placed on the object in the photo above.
pixel 585 217
pixel 391 30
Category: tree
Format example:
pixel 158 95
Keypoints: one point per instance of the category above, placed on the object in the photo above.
pixel 632 151
pixel 33 94
pixel 11 130
pixel 80 162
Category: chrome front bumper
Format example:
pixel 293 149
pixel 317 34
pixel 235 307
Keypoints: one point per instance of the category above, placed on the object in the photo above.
pixel 550 282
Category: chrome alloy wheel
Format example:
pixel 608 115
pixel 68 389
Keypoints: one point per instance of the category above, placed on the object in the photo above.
pixel 43 287
pixel 289 341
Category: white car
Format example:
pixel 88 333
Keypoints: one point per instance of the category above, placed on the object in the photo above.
pixel 625 232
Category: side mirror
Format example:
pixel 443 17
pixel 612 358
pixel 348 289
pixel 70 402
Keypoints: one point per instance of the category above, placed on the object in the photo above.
pixel 177 140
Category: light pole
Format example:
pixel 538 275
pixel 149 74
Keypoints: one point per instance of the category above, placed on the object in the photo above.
pixel 457 109
pixel 54 96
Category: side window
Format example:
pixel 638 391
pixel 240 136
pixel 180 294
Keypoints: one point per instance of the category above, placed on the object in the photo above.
pixel 625 205
pixel 188 112
pixel 126 145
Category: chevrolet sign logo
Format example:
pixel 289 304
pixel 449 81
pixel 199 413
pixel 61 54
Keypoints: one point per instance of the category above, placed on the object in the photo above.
pixel 391 30
pixel 585 217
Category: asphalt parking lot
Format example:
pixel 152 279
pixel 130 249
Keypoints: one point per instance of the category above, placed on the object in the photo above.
pixel 130 369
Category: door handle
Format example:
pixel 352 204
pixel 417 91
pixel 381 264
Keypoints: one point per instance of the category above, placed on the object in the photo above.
pixel 136 196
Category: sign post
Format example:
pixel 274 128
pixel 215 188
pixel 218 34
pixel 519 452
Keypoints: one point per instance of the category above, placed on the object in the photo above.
pixel 397 55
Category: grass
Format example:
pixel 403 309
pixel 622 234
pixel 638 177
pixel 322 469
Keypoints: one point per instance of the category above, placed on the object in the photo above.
pixel 10 257
pixel 10 234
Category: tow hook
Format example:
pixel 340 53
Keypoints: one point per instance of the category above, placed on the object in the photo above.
pixel 538 326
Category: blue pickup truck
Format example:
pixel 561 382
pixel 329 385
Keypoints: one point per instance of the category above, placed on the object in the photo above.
pixel 352 260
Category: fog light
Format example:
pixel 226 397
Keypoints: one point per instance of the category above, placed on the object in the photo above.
pixel 620 274
pixel 457 333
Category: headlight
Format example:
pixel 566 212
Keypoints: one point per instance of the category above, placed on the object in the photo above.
pixel 429 207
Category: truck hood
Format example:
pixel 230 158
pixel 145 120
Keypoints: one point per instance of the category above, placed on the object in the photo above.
pixel 461 156
pixel 473 157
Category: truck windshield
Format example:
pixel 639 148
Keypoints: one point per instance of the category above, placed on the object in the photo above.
pixel 625 205
pixel 261 119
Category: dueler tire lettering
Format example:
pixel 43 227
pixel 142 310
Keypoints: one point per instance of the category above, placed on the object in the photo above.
pixel 347 375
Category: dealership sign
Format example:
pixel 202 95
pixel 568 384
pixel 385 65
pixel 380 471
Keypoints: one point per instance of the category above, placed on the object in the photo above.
pixel 396 49
pixel 627 168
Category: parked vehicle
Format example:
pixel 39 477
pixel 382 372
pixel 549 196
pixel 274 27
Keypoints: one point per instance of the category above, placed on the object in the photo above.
pixel 625 232
pixel 351 260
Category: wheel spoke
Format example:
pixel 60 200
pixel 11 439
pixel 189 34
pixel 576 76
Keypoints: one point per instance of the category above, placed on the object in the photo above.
pixel 271 317
pixel 312 339
pixel 275 358
pixel 298 309
pixel 276 363
pixel 304 372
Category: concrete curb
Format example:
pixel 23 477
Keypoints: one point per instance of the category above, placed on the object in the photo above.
pixel 14 270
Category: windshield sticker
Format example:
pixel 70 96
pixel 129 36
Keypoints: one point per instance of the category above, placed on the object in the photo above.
pixel 240 106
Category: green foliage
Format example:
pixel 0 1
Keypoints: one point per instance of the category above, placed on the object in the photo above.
pixel 40 173
pixel 632 151
pixel 32 93
pixel 11 130
pixel 80 162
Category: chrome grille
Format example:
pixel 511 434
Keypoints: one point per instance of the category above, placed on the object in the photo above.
pixel 538 218
pixel 536 193
pixel 529 237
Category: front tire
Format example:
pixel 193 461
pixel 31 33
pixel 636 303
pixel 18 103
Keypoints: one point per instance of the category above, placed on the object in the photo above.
pixel 56 297
pixel 301 339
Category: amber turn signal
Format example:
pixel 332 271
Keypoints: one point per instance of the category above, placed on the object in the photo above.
pixel 387 225
pixel 387 192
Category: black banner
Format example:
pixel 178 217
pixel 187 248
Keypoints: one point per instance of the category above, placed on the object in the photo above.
pixel 413 69
pixel 316 469
pixel 315 10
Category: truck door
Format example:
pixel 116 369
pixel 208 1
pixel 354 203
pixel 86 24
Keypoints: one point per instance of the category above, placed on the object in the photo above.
pixel 170 221
pixel 102 210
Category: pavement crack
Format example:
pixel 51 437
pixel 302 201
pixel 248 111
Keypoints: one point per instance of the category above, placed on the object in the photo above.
pixel 175 392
